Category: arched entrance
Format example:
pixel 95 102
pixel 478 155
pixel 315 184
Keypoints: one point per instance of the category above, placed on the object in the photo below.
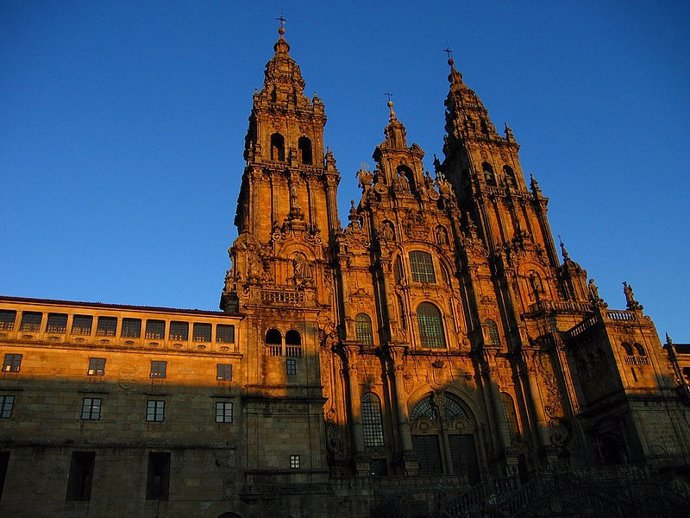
pixel 444 437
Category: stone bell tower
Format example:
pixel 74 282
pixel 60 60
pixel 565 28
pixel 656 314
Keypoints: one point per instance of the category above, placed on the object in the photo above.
pixel 280 276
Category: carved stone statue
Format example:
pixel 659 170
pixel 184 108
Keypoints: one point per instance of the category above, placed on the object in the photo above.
pixel 631 303
pixel 593 291
pixel 387 233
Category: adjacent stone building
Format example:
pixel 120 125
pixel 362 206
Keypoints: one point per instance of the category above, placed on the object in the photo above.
pixel 433 357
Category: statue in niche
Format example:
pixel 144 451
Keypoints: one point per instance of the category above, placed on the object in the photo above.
pixel 294 203
pixel 303 272
pixel 441 236
pixel 387 231
pixel 402 184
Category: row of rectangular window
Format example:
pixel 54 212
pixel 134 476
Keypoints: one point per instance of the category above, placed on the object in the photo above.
pixel 107 326
pixel 159 368
pixel 81 474
pixel 91 409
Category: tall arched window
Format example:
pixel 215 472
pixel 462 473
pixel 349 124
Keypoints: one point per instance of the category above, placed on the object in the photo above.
pixel 304 149
pixel 443 439
pixel 430 326
pixel 422 266
pixel 489 175
pixel 277 147
pixel 274 342
pixel 511 415
pixel 492 332
pixel 627 348
pixel 372 422
pixel 293 344
pixel 639 349
pixel 363 329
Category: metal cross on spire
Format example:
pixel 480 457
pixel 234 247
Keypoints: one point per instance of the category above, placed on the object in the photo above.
pixel 282 20
pixel 449 52
pixel 389 95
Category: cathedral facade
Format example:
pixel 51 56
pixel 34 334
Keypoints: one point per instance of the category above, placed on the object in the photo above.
pixel 437 355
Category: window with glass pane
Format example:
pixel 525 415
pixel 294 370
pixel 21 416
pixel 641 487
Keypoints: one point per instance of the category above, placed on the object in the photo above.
pixel 223 412
pixel 291 367
pixel 7 319
pixel 155 329
pixel 422 266
pixel 372 423
pixel 96 367
pixel 91 409
pixel 202 332
pixel 107 326
pixel 430 326
pixel 131 328
pixel 31 321
pixel 428 454
pixel 225 334
pixel 224 372
pixel 363 330
pixel 6 406
pixel 12 363
pixel 155 411
pixel 57 323
pixel 158 369
pixel 81 324
pixel 179 331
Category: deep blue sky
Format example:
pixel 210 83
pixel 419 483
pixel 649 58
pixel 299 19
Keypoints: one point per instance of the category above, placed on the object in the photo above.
pixel 122 126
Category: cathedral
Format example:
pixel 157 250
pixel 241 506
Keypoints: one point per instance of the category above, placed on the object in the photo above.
pixel 434 353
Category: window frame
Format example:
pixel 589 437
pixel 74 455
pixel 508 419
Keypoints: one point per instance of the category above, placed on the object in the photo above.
pixel 372 420
pixel 12 362
pixel 224 412
pixel 364 329
pixel 78 325
pixel 230 332
pixel 30 323
pixel 422 267
pixel 7 402
pixel 159 369
pixel 426 322
pixel 155 410
pixel 291 366
pixel 91 408
pixel 224 371
pixel 96 367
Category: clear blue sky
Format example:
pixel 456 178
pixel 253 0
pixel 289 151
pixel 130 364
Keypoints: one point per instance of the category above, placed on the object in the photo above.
pixel 122 126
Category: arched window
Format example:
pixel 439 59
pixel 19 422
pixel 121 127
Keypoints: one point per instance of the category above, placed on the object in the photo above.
pixel 628 349
pixel 430 326
pixel 443 437
pixel 277 147
pixel 639 349
pixel 293 344
pixel 363 329
pixel 372 422
pixel 492 332
pixel 422 266
pixel 511 415
pixel 304 149
pixel 509 175
pixel 489 175
pixel 274 342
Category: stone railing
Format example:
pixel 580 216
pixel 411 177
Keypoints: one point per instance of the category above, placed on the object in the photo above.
pixel 282 297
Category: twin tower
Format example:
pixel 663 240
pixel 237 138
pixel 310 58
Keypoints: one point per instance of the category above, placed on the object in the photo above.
pixel 438 333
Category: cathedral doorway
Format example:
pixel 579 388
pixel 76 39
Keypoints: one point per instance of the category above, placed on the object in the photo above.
pixel 444 437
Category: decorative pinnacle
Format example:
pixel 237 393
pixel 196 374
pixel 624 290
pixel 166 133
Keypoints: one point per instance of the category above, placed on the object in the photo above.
pixel 451 61
pixel 390 104
pixel 282 20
